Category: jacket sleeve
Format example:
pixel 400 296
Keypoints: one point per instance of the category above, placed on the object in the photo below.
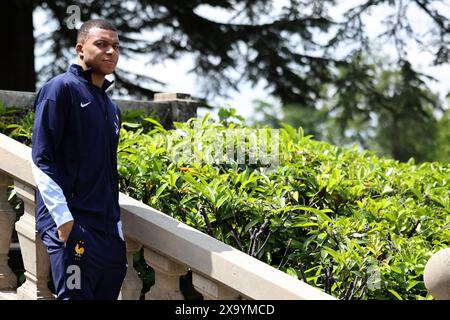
pixel 48 131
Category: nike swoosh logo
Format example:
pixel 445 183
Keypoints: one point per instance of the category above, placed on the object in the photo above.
pixel 85 104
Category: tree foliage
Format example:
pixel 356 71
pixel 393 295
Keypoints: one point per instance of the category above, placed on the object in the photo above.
pixel 390 111
pixel 443 138
pixel 293 49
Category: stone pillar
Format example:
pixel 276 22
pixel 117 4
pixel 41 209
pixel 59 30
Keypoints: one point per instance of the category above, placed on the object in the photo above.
pixel 182 106
pixel 34 253
pixel 436 275
pixel 132 284
pixel 211 290
pixel 8 279
pixel 167 277
pixel 19 99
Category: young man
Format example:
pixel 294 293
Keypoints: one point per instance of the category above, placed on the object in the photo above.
pixel 75 138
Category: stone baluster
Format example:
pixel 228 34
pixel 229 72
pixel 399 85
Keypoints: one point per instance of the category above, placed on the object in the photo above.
pixel 34 253
pixel 212 290
pixel 8 279
pixel 167 277
pixel 132 284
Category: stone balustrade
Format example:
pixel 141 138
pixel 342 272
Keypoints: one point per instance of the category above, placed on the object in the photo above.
pixel 170 247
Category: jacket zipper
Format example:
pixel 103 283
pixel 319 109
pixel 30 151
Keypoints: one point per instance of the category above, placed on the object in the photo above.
pixel 107 141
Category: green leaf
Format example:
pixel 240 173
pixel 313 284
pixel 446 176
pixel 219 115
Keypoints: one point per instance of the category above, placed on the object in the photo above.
pixel 251 224
pixel 161 189
pixel 292 272
pixel 387 190
pixel 205 120
pixel 295 195
pixel 395 294
pixel 156 123
pixel 412 284
pixel 314 210
pixel 336 255
pixel 304 224
pixel 222 200
pixel 396 269
pixel 131 125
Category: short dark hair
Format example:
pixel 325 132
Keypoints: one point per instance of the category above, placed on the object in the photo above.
pixel 94 23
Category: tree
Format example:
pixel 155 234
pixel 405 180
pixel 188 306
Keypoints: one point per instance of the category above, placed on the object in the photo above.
pixel 284 50
pixel 407 126
pixel 391 110
pixel 382 109
pixel 17 60
pixel 443 138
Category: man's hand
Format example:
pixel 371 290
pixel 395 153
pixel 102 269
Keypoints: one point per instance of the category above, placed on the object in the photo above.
pixel 64 231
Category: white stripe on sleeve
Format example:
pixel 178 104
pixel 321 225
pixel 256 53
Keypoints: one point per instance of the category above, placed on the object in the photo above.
pixel 53 196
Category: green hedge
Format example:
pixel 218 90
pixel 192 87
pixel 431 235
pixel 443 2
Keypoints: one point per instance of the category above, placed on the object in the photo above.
pixel 353 224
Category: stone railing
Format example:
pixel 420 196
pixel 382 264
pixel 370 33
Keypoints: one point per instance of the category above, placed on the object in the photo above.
pixel 170 247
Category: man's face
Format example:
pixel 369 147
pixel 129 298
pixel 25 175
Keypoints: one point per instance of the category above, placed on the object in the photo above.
pixel 100 51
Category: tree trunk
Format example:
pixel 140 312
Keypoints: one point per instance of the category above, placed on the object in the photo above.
pixel 17 54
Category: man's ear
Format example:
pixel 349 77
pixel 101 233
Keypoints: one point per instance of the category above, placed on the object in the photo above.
pixel 79 50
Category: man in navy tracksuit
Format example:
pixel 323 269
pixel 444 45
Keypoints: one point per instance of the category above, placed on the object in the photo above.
pixel 75 138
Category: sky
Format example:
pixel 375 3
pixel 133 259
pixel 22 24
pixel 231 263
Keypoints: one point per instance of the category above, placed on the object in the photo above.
pixel 175 73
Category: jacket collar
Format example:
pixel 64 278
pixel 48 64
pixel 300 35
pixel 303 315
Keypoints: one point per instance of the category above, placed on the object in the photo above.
pixel 86 75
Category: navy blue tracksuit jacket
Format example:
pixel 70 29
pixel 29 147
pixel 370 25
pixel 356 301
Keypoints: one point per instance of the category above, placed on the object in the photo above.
pixel 75 140
pixel 74 145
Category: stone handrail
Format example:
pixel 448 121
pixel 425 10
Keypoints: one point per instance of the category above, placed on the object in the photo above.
pixel 171 248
